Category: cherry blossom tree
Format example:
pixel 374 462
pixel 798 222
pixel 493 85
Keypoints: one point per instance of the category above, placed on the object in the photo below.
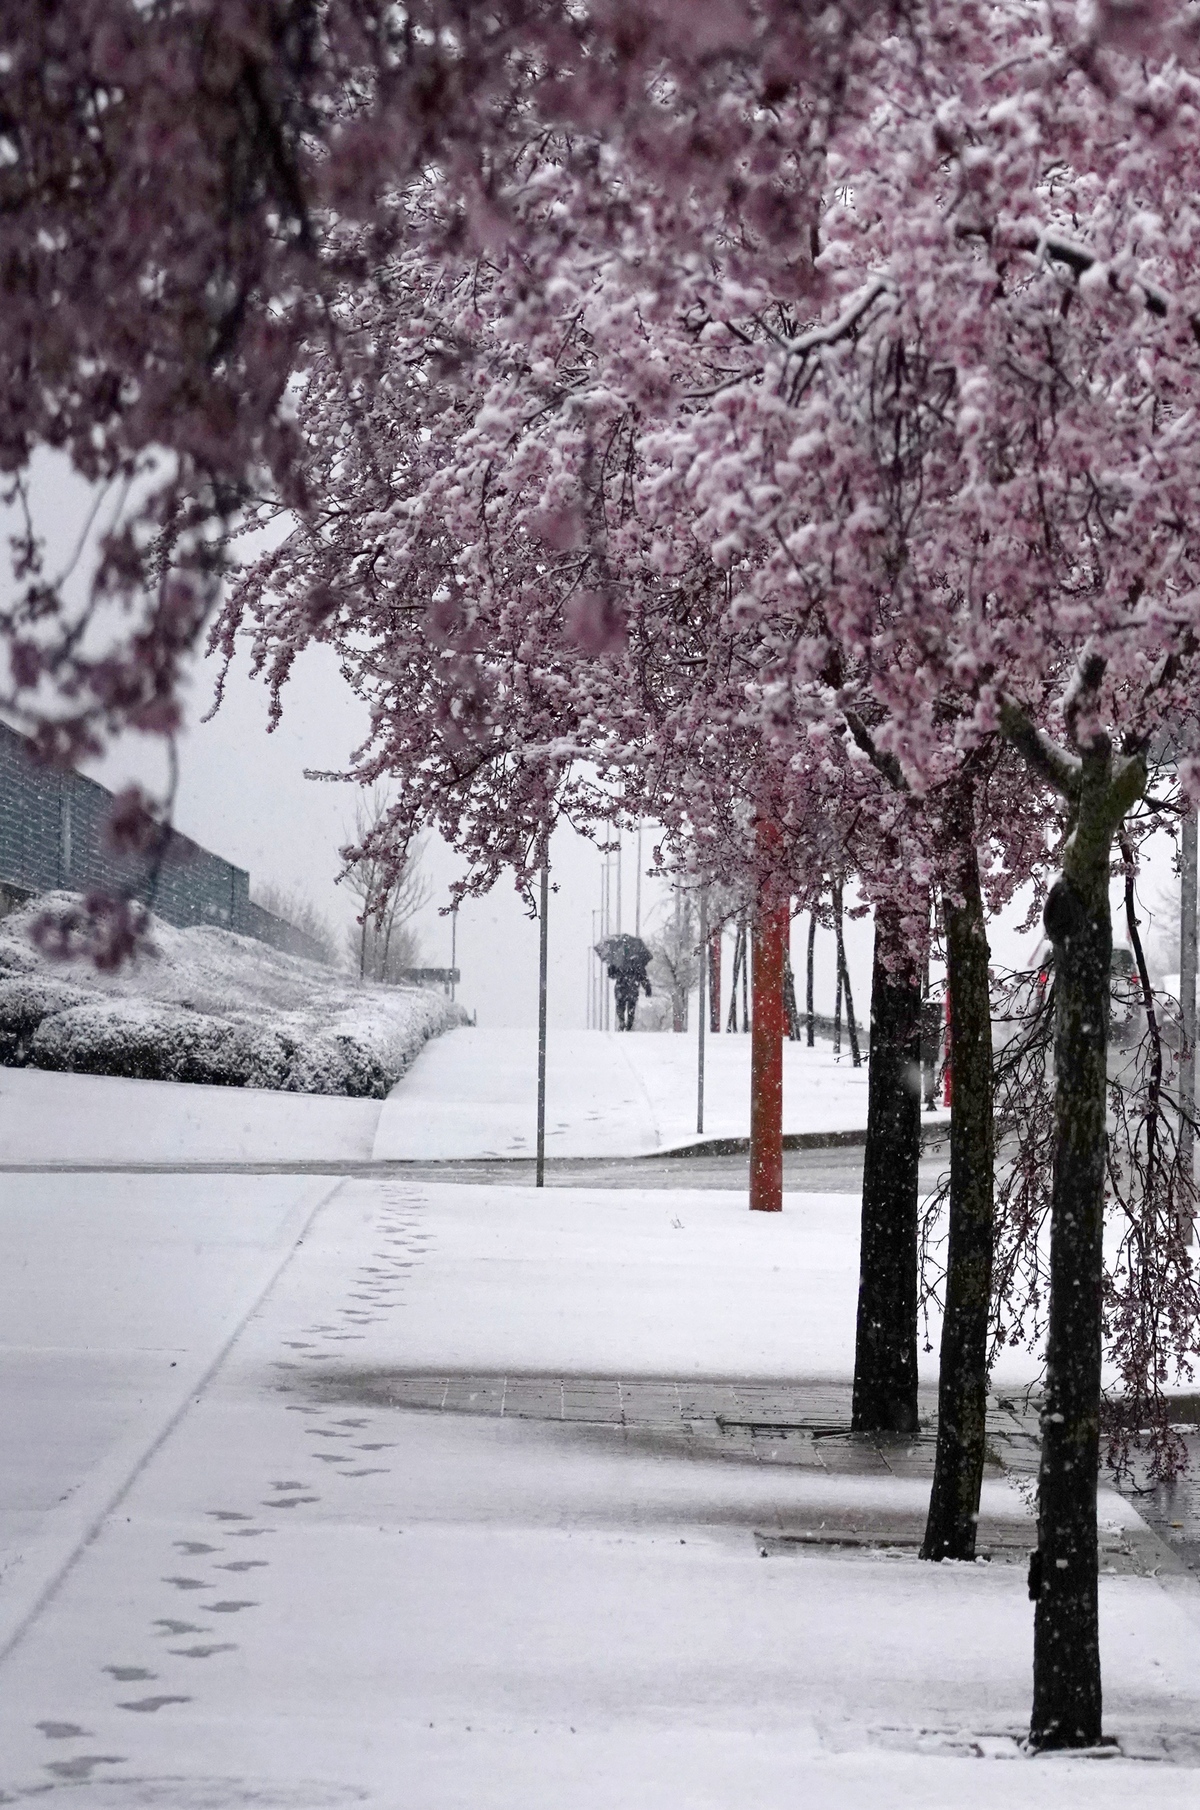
pixel 186 187
pixel 884 319
pixel 977 467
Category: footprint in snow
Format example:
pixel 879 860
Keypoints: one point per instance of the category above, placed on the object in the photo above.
pixel 177 1627
pixel 61 1731
pixel 148 1705
pixel 128 1674
pixel 218 1646
pixel 231 1607
pixel 186 1583
pixel 192 1548
pixel 83 1765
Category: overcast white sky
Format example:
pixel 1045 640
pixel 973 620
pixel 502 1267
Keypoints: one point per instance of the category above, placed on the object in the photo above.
pixel 243 794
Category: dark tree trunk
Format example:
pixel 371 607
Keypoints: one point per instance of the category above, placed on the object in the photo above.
pixel 851 1022
pixel 963 1373
pixel 744 933
pixel 738 958
pixel 1100 789
pixel 1063 1575
pixel 843 991
pixel 791 1012
pixel 808 996
pixel 885 1356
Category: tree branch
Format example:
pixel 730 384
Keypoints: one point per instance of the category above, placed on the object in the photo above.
pixel 1059 249
pixel 887 764
pixel 1058 768
pixel 816 337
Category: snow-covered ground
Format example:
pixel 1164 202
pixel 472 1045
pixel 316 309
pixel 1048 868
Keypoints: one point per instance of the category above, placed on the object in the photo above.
pixel 302 1601
pixel 205 1005
pixel 469 1093
pixel 51 1118
pixel 473 1093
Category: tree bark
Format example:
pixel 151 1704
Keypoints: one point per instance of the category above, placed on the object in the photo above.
pixel 714 981
pixel 843 985
pixel 745 936
pixel 1100 789
pixel 1063 1577
pixel 808 996
pixel 885 1357
pixel 963 1373
pixel 791 1012
pixel 739 956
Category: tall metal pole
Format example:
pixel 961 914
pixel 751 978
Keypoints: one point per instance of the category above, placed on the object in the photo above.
pixel 542 964
pixel 637 894
pixel 1187 988
pixel 453 951
pixel 605 929
pixel 619 923
pixel 700 1012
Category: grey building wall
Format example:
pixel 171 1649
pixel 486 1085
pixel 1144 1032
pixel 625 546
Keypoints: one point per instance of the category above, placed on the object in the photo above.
pixel 52 835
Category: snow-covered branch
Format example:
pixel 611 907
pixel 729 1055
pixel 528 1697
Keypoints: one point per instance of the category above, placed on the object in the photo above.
pixel 1055 765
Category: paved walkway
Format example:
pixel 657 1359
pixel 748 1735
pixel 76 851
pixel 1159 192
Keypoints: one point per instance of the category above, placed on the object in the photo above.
pixel 795 1424
pixel 472 1094
pixel 331 1577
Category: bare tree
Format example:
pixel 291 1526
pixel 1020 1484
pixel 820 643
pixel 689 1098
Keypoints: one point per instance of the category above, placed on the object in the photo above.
pixel 382 955
pixel 290 904
pixel 675 968
pixel 383 943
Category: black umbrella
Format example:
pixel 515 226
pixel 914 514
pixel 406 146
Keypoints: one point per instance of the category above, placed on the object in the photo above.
pixel 627 954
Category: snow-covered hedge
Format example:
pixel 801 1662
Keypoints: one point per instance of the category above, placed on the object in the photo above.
pixel 212 1007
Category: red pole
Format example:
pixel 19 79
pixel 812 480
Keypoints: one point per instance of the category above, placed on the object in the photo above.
pixel 948 1071
pixel 714 980
pixel 766 1061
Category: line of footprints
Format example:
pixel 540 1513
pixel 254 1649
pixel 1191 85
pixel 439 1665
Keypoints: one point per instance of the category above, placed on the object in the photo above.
pixel 346 1451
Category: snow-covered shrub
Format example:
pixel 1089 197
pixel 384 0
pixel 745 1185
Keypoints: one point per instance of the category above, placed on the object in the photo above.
pixel 148 1042
pixel 210 1006
pixel 25 1000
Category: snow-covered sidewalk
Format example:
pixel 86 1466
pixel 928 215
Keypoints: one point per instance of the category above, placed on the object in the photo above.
pixel 473 1093
pixel 309 1598
pixel 470 1093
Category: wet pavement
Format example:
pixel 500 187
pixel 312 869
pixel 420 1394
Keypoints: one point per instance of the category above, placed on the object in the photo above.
pixel 805 1425
pixel 1173 1509
pixel 836 1170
